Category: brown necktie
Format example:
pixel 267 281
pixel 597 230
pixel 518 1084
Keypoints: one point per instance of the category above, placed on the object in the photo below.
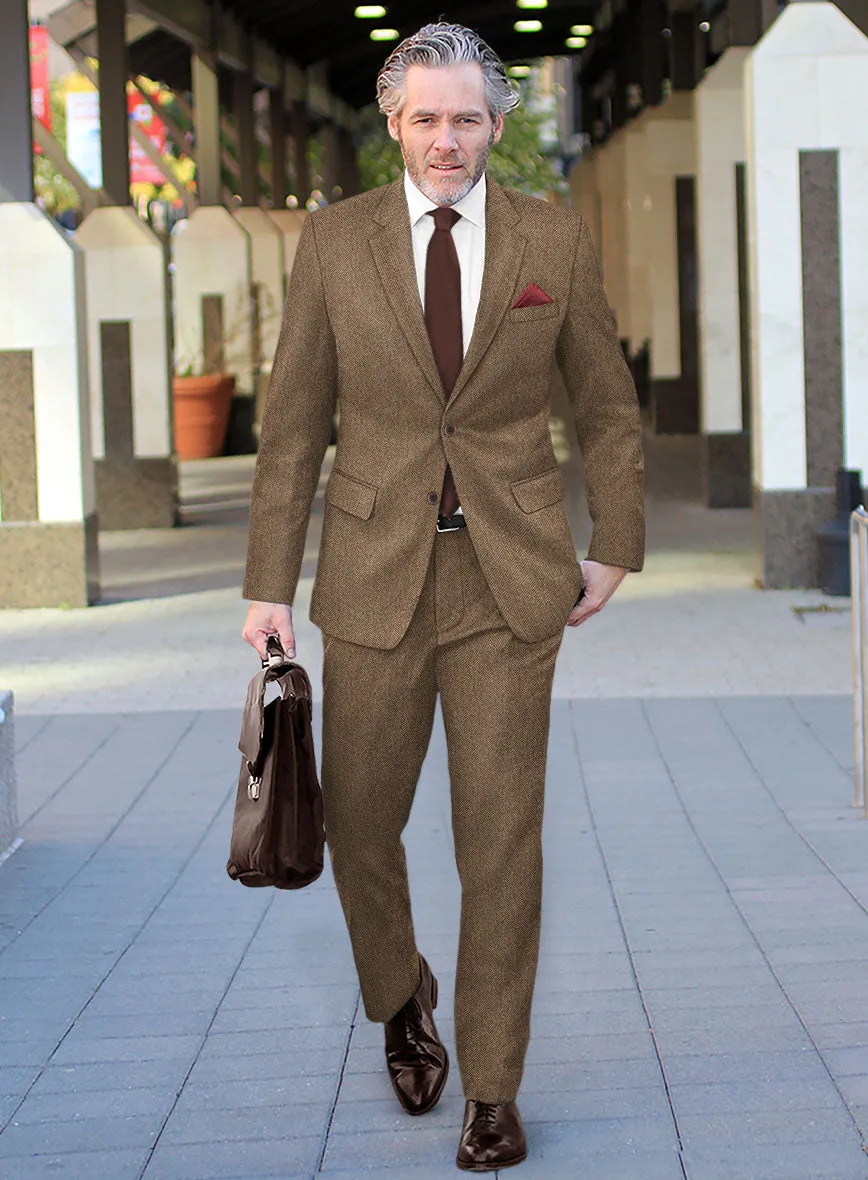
pixel 443 318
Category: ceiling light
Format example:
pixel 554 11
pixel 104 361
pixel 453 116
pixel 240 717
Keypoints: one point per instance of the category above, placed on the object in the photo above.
pixel 531 3
pixel 527 26
pixel 364 11
pixel 518 71
pixel 384 34
pixel 581 30
pixel 577 42
pixel 705 27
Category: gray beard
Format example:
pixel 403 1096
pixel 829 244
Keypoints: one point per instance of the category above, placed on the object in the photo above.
pixel 457 194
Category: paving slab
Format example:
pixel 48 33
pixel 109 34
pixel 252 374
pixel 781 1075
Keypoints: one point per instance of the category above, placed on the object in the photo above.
pixel 699 1007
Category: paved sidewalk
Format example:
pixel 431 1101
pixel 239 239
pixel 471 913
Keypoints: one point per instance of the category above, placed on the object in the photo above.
pixel 699 1012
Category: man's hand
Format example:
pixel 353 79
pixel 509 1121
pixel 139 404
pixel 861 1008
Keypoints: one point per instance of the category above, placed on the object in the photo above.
pixel 601 582
pixel 269 618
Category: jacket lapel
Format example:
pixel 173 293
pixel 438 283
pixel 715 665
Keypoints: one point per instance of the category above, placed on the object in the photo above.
pixel 504 251
pixel 392 247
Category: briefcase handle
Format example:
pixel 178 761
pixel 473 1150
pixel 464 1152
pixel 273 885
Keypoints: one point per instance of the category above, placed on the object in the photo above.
pixel 275 656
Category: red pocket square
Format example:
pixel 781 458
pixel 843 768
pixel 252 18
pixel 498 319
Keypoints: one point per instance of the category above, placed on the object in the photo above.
pixel 532 296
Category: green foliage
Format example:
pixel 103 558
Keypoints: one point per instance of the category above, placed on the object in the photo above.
pixel 54 192
pixel 520 160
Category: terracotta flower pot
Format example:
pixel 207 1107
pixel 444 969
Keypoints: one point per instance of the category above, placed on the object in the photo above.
pixel 201 406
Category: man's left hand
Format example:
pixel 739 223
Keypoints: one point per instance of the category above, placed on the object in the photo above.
pixel 601 582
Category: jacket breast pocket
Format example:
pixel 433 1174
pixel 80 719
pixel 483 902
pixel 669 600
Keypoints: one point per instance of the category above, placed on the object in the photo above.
pixel 350 495
pixel 541 311
pixel 540 491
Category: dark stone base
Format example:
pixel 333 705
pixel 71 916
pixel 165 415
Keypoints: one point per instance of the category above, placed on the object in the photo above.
pixel 136 494
pixel 727 470
pixel 240 434
pixel 49 564
pixel 674 405
pixel 786 527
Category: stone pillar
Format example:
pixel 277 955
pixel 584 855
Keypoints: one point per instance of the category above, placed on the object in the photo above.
pixel 266 256
pixel 300 166
pixel 612 176
pixel 670 234
pixel 277 130
pixel 331 161
pixel 212 277
pixel 806 86
pixel 130 370
pixel 48 525
pixel 638 277
pixel 248 180
pixel 289 222
pixel 206 118
pixel 724 317
pixel 113 109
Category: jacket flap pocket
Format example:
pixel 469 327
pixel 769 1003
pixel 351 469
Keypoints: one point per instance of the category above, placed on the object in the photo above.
pixel 539 491
pixel 350 494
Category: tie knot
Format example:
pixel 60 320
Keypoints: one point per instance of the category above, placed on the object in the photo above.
pixel 444 217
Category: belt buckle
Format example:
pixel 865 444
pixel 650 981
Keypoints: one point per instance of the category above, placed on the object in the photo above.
pixel 450 524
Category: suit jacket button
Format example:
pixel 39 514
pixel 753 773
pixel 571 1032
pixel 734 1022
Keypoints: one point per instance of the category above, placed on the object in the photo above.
pixel 448 428
pixel 433 498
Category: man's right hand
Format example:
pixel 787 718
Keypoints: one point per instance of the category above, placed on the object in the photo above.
pixel 269 618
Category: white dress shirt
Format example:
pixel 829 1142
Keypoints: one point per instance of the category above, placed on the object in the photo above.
pixel 469 237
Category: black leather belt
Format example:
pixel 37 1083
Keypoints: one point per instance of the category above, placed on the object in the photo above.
pixel 448 524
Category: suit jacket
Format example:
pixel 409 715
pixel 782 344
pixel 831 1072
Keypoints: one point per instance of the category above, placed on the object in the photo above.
pixel 353 333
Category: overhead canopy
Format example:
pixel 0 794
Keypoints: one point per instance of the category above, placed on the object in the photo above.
pixel 327 31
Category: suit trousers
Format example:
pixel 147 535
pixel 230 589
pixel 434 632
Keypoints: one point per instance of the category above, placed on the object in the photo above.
pixel 378 711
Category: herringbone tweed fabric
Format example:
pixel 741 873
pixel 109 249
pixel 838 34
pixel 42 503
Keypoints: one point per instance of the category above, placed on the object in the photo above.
pixel 354 333
pixel 378 709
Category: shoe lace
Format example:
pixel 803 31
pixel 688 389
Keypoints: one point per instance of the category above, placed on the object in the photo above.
pixel 486 1111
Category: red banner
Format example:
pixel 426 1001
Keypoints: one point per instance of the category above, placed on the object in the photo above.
pixel 142 169
pixel 40 97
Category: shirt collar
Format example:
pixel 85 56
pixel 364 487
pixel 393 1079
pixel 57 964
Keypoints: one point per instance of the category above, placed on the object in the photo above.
pixel 472 206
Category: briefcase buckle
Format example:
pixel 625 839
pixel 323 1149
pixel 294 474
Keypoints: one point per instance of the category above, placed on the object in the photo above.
pixel 253 787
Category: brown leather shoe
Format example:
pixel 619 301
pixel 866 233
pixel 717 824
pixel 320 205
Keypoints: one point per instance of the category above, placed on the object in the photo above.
pixel 416 1058
pixel 492 1137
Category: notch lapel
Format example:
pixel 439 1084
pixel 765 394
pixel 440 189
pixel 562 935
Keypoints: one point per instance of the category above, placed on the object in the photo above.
pixel 392 247
pixel 504 251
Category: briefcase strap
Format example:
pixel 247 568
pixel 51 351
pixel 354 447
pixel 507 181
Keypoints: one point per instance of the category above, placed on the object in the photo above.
pixel 294 685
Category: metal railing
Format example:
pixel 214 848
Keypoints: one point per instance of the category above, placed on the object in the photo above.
pixel 859 592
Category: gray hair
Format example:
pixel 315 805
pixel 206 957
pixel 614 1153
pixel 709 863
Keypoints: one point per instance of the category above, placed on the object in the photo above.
pixel 444 44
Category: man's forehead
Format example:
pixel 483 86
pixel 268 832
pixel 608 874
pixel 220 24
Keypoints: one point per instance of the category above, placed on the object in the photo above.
pixel 423 82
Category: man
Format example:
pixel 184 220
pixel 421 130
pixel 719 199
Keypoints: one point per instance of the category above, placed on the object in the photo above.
pixel 433 310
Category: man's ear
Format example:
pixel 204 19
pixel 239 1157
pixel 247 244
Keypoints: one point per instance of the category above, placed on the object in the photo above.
pixel 392 124
pixel 498 127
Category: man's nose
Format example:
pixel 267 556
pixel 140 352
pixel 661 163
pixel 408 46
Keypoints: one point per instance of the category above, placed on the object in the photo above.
pixel 445 141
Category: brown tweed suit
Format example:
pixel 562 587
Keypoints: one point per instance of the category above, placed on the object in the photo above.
pixel 475 616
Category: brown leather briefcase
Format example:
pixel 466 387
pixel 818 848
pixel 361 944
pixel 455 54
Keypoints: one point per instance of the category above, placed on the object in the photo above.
pixel 277 831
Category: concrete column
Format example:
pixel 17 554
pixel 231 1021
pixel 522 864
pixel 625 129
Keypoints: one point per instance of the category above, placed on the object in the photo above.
pixel 724 317
pixel 206 118
pixel 806 86
pixel 242 88
pixel 687 45
pixel 612 176
pixel 212 279
pixel 48 525
pixel 130 370
pixel 331 160
pixel 16 141
pixel 277 129
pixel 289 222
pixel 670 234
pixel 300 166
pixel 113 110
pixel 638 277
pixel 266 259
